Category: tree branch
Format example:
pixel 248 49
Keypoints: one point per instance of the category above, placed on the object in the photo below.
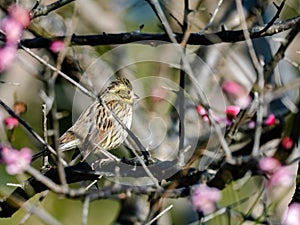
pixel 223 36
pixel 43 10
pixel 268 69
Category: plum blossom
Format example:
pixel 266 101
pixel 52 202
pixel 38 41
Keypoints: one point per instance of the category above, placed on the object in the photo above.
pixel 7 55
pixel 20 15
pixel 287 143
pixel 12 26
pixel 16 161
pixel 13 30
pixel 201 110
pixel 251 124
pixel 271 120
pixel 269 165
pixel 57 46
pixel 11 122
pixel 233 87
pixel 204 198
pixel 278 174
pixel 281 177
pixel 292 216
pixel 236 93
pixel 232 111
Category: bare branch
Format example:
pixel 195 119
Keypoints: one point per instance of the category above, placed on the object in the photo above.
pixel 223 36
pixel 276 16
pixel 43 10
pixel 268 68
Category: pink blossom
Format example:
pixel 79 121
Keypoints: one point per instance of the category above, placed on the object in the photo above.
pixel 269 165
pixel 237 93
pixel 292 216
pixel 12 29
pixel 243 101
pixel 287 143
pixel 11 122
pixel 232 87
pixel 57 46
pixel 232 111
pixel 270 120
pixel 251 124
pixel 16 161
pixel 20 15
pixel 204 198
pixel 281 177
pixel 201 110
pixel 7 55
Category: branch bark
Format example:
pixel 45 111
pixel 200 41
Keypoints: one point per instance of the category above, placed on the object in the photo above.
pixel 224 36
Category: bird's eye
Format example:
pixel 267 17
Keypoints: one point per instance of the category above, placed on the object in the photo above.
pixel 128 92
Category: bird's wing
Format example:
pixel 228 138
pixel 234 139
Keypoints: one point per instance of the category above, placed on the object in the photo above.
pixel 92 126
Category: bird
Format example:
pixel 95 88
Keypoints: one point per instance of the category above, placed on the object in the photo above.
pixel 96 127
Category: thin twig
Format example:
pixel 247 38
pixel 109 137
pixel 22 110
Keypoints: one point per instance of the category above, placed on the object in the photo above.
pixel 45 158
pixel 260 77
pixel 41 213
pixel 160 214
pixel 210 22
pixel 292 62
pixel 45 180
pixel 276 16
pixel 85 210
pixel 43 10
pixel 258 128
pixel 65 76
pixel 51 91
pixel 249 43
pixel 27 216
pixel 269 67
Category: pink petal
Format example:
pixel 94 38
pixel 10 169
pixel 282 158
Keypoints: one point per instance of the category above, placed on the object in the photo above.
pixel 243 101
pixel 287 143
pixel 233 87
pixel 282 177
pixel 204 198
pixel 251 124
pixel 7 55
pixel 57 46
pixel 201 110
pixel 269 164
pixel 16 161
pixel 232 111
pixel 19 14
pixel 270 120
pixel 11 122
pixel 292 216
pixel 13 30
pixel 26 154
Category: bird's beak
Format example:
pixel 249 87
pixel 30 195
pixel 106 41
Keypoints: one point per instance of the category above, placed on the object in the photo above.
pixel 135 96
